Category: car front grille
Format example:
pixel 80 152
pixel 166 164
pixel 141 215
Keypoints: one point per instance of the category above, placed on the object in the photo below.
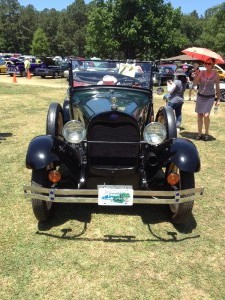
pixel 113 141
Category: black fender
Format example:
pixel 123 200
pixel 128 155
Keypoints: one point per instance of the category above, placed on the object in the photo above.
pixel 66 111
pixel 184 154
pixel 46 149
pixel 40 152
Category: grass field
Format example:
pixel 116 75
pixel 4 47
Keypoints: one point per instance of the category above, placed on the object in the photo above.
pixel 90 253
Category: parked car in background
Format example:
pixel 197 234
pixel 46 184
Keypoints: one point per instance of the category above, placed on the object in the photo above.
pixel 220 71
pixel 165 72
pixel 57 58
pixel 3 66
pixel 51 68
pixel 173 66
pixel 104 145
pixel 222 91
pixel 16 66
pixel 30 57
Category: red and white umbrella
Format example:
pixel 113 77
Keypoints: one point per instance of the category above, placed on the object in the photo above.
pixel 203 54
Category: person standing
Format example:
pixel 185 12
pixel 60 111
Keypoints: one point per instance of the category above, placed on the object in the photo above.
pixel 175 98
pixel 208 82
pixel 191 76
pixel 27 65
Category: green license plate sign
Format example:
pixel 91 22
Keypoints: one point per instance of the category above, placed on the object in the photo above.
pixel 115 195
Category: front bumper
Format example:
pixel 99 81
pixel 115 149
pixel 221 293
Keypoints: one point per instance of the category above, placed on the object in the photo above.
pixel 91 196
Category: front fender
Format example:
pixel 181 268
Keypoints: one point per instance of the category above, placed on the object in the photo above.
pixel 46 149
pixel 184 154
pixel 40 152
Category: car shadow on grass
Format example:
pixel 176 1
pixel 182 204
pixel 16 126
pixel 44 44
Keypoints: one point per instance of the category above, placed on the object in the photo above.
pixel 193 136
pixel 83 213
pixel 149 214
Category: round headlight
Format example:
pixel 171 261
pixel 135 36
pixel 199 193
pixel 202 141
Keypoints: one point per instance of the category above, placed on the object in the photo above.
pixel 154 133
pixel 74 131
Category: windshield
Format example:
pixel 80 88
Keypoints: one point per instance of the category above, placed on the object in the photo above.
pixel 166 70
pixel 93 101
pixel 107 72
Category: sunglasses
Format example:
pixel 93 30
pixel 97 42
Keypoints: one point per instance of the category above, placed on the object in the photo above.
pixel 208 64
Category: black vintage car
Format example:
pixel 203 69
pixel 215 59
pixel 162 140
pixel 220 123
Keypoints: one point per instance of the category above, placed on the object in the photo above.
pixel 104 145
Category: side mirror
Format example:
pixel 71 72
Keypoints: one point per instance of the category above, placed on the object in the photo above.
pixel 160 91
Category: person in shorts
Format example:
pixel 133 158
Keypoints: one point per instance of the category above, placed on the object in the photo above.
pixel 209 90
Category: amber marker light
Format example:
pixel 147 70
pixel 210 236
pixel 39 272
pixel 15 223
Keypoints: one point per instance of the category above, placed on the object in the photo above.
pixel 54 176
pixel 173 178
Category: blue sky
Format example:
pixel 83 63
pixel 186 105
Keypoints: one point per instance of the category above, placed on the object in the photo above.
pixel 186 6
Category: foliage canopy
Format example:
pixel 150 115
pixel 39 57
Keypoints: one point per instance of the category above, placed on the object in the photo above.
pixel 144 29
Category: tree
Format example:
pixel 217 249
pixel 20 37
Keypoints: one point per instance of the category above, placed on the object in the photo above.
pixel 40 46
pixel 72 29
pixel 27 24
pixel 143 29
pixel 191 28
pixel 9 20
pixel 49 21
pixel 100 39
pixel 134 28
pixel 213 33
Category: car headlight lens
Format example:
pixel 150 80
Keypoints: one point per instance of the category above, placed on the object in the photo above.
pixel 154 133
pixel 74 132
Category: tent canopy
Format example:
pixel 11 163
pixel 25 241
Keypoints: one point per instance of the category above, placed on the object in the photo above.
pixel 182 58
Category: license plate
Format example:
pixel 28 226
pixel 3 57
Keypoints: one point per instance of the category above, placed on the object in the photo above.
pixel 115 195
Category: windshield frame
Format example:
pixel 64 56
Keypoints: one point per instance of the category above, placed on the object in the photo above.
pixel 124 73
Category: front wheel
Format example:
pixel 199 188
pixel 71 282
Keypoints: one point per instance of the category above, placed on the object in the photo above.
pixel 54 122
pixel 165 115
pixel 222 95
pixel 182 211
pixel 41 208
pixel 55 75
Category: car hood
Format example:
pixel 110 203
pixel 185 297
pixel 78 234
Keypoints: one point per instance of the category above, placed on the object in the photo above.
pixel 91 102
pixel 48 61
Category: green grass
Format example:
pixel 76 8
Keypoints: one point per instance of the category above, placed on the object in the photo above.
pixel 90 253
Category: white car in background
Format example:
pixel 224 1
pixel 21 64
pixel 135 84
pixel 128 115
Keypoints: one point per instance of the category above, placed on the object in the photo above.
pixel 221 72
pixel 222 90
pixel 57 58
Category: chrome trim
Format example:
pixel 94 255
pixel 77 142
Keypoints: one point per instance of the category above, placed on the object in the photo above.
pixel 91 196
